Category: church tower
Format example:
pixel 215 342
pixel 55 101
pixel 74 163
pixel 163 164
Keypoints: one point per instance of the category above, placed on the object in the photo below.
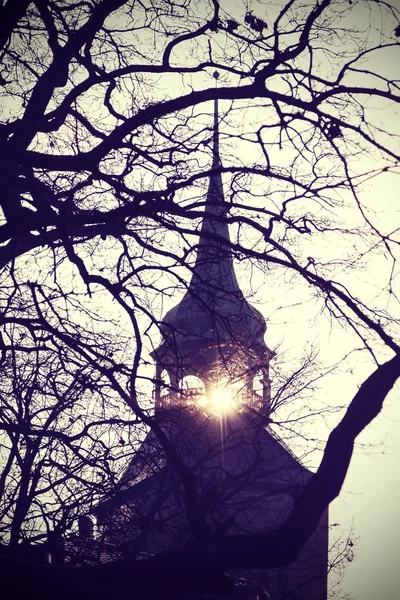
pixel 213 350
pixel 212 403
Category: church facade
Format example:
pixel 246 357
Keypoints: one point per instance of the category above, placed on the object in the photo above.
pixel 224 470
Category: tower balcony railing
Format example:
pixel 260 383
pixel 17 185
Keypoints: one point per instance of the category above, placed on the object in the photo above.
pixel 215 401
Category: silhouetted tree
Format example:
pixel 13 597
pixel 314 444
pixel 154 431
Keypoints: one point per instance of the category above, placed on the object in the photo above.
pixel 104 157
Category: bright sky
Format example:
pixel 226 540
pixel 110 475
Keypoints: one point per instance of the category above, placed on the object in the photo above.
pixel 370 498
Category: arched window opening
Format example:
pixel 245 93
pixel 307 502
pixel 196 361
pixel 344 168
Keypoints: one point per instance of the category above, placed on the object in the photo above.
pixel 165 387
pixel 258 384
pixel 190 385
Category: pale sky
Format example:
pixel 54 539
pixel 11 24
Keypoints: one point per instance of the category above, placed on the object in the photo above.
pixel 370 499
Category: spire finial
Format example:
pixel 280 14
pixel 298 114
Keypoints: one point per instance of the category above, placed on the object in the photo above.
pixel 216 160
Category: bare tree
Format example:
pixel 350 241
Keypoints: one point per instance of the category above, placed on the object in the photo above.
pixel 104 154
pixel 62 433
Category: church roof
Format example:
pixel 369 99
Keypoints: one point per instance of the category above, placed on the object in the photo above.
pixel 246 455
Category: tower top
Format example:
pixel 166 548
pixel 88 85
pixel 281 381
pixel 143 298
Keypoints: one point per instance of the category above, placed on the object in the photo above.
pixel 213 317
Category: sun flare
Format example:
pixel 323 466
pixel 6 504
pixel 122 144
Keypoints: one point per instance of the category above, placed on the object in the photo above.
pixel 221 399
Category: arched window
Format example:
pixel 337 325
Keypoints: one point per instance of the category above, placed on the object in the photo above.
pixel 258 383
pixel 165 387
pixel 190 385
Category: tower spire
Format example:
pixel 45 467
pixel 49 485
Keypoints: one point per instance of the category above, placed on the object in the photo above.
pixel 216 159
pixel 214 262
pixel 213 325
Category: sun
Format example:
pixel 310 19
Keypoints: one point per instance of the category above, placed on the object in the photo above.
pixel 221 399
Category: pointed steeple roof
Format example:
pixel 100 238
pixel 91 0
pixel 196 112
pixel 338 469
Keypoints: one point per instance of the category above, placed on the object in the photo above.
pixel 213 310
pixel 214 261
